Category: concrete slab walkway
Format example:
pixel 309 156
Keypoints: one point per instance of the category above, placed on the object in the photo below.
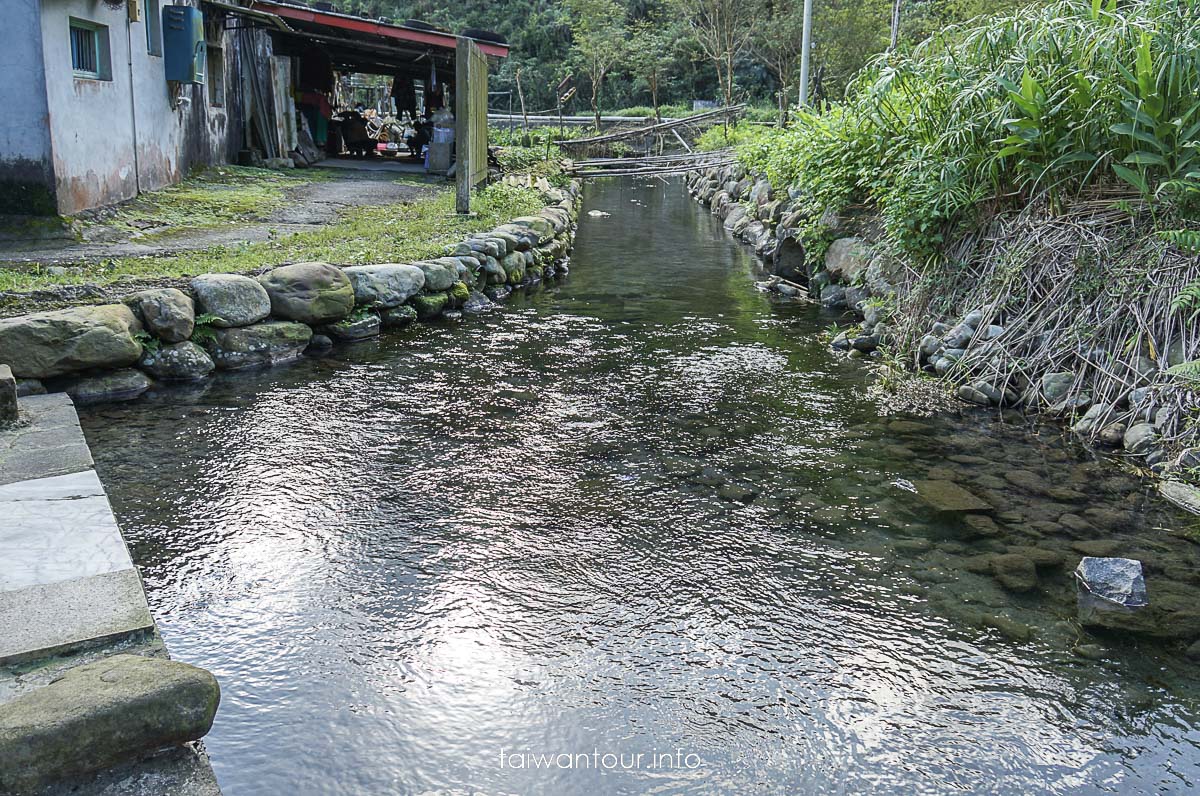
pixel 69 591
pixel 66 577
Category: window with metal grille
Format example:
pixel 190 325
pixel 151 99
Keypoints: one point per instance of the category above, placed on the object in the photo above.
pixel 89 50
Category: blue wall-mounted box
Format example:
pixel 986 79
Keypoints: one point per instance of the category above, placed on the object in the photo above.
pixel 184 52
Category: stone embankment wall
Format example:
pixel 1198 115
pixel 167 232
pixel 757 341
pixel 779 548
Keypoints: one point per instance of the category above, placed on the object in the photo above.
pixel 231 321
pixel 856 277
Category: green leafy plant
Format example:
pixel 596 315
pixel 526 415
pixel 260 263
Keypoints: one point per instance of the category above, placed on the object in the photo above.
pixel 150 344
pixel 204 331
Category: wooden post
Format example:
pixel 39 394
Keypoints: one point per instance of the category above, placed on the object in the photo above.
pixel 462 127
pixel 470 121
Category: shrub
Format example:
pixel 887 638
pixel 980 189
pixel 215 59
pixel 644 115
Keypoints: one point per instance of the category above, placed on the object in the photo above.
pixel 1036 107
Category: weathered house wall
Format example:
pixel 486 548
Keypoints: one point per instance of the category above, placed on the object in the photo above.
pixel 114 137
pixel 26 176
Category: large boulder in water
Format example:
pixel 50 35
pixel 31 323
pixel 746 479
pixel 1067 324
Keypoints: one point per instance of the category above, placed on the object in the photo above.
pixel 60 342
pixel 385 285
pixel 232 299
pixel 259 345
pixel 167 313
pixel 312 293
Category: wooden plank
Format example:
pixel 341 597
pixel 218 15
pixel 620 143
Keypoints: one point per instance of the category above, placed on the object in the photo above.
pixel 470 111
pixel 710 116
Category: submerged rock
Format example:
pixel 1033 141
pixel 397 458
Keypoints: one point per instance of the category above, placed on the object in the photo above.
pixel 184 361
pixel 476 303
pixel 395 317
pixel 1015 572
pixel 119 385
pixel 948 496
pixel 262 344
pixel 352 329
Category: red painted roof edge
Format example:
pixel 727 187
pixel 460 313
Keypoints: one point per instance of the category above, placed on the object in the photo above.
pixel 435 38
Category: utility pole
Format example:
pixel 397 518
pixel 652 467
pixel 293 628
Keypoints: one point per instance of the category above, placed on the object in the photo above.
pixel 805 51
pixel 895 26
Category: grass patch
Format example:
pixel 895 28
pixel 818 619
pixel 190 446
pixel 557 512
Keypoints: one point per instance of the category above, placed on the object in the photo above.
pixel 397 233
pixel 211 197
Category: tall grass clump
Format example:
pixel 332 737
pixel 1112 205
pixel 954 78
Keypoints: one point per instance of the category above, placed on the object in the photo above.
pixel 1037 107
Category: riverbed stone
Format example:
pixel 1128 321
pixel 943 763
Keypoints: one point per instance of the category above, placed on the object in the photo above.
pixel 260 345
pixel 167 313
pixel 975 394
pixel 385 285
pixel 234 300
pixel 1139 438
pixel 99 714
pixel 60 342
pixel 1015 572
pixel 312 293
pixel 183 361
pixel 947 496
pixel 348 330
pixel 1112 434
pixel 118 385
pixel 1091 419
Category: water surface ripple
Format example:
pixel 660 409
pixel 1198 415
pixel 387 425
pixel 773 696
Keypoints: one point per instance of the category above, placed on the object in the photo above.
pixel 641 511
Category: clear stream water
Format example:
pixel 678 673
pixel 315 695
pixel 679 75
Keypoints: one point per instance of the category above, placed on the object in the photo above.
pixel 641 511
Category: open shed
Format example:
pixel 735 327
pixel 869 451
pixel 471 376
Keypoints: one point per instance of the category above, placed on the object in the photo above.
pixel 322 41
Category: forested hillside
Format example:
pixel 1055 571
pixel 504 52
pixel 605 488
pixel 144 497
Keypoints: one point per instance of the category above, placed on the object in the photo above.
pixel 655 43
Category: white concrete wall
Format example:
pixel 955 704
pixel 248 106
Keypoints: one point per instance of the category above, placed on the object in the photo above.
pixel 93 122
pixel 25 153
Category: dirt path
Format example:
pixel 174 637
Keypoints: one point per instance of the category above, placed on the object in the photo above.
pixel 307 206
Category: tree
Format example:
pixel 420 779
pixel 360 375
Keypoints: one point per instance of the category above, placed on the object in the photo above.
pixel 778 44
pixel 598 41
pixel 723 28
pixel 650 57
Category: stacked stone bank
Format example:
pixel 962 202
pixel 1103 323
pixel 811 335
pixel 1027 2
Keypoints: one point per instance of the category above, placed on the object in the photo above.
pixel 233 321
pixel 854 276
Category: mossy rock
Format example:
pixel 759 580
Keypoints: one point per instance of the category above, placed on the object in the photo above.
pixel 430 305
pixel 459 293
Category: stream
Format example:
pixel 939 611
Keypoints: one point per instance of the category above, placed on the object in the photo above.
pixel 639 531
